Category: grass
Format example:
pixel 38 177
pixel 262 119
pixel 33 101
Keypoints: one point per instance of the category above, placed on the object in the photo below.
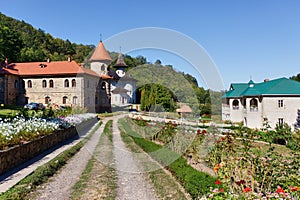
pixel 196 183
pixel 98 179
pixel 42 173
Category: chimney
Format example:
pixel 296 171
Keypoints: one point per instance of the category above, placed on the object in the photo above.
pixel 48 60
pixel 69 59
pixel 266 80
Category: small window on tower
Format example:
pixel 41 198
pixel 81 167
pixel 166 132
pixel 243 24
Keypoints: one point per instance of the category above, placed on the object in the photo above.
pixel 103 86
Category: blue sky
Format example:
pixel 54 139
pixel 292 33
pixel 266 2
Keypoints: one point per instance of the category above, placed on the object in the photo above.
pixel 244 38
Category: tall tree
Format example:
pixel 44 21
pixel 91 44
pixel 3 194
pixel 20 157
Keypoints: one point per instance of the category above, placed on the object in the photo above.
pixel 10 44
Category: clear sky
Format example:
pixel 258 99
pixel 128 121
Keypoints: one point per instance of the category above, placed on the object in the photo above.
pixel 244 38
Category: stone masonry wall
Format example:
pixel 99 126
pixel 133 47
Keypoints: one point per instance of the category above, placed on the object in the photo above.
pixel 17 155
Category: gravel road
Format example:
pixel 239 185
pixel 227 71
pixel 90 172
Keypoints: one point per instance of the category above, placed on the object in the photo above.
pixel 132 183
pixel 59 187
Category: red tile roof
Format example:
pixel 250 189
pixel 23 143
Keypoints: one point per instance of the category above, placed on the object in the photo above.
pixel 46 68
pixel 100 53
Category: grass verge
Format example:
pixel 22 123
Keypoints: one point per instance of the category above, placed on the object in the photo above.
pixel 196 183
pixel 98 181
pixel 42 173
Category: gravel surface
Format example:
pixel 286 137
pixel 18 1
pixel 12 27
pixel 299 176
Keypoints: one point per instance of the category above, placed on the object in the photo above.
pixel 60 186
pixel 132 183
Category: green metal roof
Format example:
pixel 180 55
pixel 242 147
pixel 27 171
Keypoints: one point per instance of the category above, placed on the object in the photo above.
pixel 281 86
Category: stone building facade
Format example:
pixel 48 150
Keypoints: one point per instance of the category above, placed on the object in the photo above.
pixel 59 83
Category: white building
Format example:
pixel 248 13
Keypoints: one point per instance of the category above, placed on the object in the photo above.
pixel 123 87
pixel 257 104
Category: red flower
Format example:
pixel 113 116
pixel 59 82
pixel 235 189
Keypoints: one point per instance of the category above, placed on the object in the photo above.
pixel 246 189
pixel 279 190
pixel 216 168
pixel 294 188
pixel 221 190
pixel 222 139
pixel 198 132
pixel 204 131
pixel 174 124
pixel 240 182
pixel 218 182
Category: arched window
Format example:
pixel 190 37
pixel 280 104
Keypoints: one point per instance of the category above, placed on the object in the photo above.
pixel 75 100
pixel 66 83
pixel 29 84
pixel 44 83
pixel 253 105
pixel 16 84
pixel 47 100
pixel 51 84
pixel 235 104
pixel 73 83
pixel 64 100
pixel 103 85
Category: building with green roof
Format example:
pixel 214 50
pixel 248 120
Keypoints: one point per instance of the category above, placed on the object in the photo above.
pixel 257 104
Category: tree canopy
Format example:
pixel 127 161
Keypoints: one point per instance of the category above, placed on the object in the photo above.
pixel 21 42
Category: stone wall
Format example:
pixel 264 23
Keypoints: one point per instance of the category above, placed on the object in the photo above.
pixel 17 155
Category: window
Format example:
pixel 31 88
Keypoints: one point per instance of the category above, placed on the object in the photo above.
pixel 96 100
pixel 44 83
pixel 103 85
pixel 16 84
pixel 253 105
pixel 51 84
pixel 102 67
pixel 75 100
pixel 73 83
pixel 66 83
pixel 88 84
pixel 280 103
pixel 47 100
pixel 280 121
pixel 88 100
pixel 65 100
pixel 29 84
pixel 235 104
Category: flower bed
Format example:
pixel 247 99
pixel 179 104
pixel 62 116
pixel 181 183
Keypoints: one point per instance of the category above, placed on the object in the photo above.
pixel 20 130
pixel 23 139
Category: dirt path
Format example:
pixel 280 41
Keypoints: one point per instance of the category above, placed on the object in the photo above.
pixel 60 186
pixel 132 183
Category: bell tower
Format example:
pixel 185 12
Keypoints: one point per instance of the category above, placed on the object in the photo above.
pixel 100 60
pixel 120 66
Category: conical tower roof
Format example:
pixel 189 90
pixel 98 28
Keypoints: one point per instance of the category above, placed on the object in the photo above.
pixel 100 53
pixel 120 62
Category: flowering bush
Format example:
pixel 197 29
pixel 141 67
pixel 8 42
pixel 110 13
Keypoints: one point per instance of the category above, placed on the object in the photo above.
pixel 20 130
pixel 254 173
